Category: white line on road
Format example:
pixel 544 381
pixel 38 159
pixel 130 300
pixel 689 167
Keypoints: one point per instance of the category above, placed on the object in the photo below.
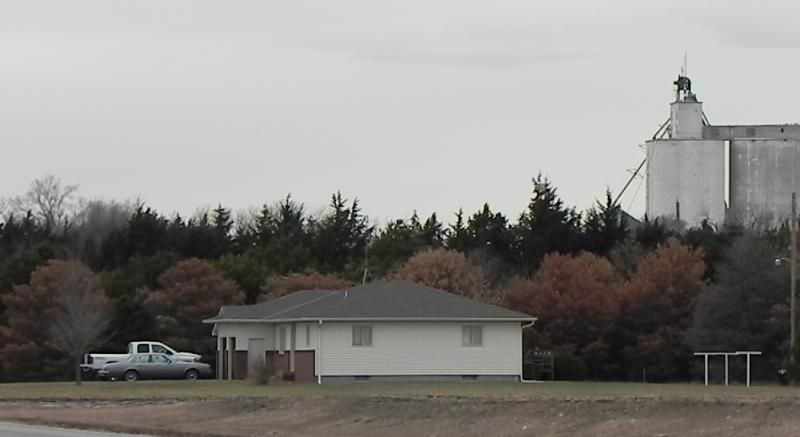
pixel 8 429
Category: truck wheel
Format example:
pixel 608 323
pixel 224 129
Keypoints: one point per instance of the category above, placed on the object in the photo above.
pixel 131 375
pixel 191 374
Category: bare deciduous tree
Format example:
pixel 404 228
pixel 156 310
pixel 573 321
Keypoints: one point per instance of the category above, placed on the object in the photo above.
pixel 50 201
pixel 82 314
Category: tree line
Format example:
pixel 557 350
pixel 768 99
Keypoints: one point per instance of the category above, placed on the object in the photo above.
pixel 616 298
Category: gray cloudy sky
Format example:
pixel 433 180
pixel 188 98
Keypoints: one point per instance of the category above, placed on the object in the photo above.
pixel 423 104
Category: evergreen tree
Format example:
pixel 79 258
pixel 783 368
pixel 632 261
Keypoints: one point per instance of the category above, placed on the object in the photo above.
pixel 605 227
pixel 340 236
pixel 433 233
pixel 284 237
pixel 393 245
pixel 456 236
pixel 652 233
pixel 743 310
pixel 490 232
pixel 546 226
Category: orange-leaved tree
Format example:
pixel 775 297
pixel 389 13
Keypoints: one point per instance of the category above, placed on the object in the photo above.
pixel 446 270
pixel 189 292
pixel 576 300
pixel 658 302
pixel 278 286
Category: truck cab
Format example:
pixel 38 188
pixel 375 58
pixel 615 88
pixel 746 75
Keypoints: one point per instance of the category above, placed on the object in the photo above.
pixel 154 347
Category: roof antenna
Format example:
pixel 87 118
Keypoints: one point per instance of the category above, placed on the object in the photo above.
pixel 685 66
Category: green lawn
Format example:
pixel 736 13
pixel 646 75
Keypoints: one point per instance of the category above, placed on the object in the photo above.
pixel 215 389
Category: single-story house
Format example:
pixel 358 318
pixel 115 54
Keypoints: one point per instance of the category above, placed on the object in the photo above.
pixel 384 330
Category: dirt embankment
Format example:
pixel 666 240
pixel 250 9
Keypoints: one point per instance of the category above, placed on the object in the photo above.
pixel 434 416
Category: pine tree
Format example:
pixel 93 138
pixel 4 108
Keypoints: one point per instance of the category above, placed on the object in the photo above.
pixel 432 231
pixel 456 235
pixel 340 236
pixel 605 227
pixel 222 225
pixel 547 226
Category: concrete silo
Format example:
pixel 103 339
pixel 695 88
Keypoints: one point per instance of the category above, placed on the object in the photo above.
pixel 764 172
pixel 685 171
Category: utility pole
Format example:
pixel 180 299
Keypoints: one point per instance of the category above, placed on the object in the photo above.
pixel 793 297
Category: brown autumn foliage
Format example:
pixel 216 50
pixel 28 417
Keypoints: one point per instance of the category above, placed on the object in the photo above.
pixel 29 350
pixel 577 301
pixel 658 302
pixel 189 292
pixel 446 270
pixel 278 286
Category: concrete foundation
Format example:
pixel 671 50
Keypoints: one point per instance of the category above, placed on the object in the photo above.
pixel 420 378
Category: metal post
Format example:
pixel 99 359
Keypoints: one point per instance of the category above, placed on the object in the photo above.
pixel 220 357
pixel 726 369
pixel 230 358
pixel 793 295
pixel 748 370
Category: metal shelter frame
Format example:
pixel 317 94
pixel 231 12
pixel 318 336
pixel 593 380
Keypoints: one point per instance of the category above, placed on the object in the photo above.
pixel 748 354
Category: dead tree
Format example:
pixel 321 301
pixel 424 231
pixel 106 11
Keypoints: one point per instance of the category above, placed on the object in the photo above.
pixel 51 202
pixel 82 315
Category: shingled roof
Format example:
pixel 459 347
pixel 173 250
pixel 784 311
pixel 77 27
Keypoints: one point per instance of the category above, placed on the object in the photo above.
pixel 379 300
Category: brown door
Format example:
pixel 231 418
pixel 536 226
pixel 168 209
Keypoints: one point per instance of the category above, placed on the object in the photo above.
pixel 304 366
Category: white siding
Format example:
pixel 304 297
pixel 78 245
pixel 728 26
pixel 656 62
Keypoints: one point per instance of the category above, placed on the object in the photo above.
pixel 269 332
pixel 421 348
pixel 245 331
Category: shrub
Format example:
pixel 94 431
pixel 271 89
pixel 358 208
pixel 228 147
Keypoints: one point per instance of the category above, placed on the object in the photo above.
pixel 569 367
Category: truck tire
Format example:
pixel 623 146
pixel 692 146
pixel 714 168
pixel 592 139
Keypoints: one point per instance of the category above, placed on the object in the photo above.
pixel 131 375
pixel 191 374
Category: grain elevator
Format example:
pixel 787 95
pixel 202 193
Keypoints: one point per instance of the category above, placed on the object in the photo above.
pixel 743 174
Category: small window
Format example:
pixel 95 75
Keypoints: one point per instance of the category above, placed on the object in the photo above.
pixel 282 339
pixel 473 336
pixel 143 349
pixel 308 335
pixel 362 335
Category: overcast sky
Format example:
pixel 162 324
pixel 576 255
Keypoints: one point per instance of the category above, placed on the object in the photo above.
pixel 412 104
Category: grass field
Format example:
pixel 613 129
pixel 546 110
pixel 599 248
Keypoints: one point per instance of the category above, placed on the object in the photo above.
pixel 228 389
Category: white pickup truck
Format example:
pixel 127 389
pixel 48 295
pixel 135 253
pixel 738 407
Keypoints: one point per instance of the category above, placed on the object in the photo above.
pixel 94 362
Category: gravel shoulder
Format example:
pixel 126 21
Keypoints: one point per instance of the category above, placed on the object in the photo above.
pixel 419 415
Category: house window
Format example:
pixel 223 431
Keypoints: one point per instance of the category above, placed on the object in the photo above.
pixel 362 335
pixel 308 335
pixel 282 339
pixel 472 336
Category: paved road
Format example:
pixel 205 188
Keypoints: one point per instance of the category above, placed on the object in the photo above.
pixel 17 430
